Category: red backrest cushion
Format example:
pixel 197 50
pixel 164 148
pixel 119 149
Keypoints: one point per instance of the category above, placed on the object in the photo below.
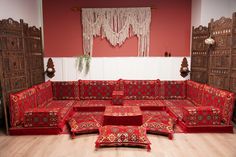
pixel 194 92
pixel 172 90
pixel 44 93
pixel 20 102
pixel 140 89
pixel 65 90
pixel 221 99
pixel 96 89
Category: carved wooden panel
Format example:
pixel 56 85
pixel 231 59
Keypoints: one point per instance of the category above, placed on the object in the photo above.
pixel 199 55
pixel 21 58
pixel 233 57
pixel 199 75
pixel 220 54
pixel 34 55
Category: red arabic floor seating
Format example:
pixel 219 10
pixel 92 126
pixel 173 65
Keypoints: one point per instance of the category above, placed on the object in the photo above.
pixel 45 108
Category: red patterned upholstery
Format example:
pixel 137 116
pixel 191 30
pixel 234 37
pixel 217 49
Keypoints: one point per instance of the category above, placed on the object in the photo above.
pixel 91 89
pixel 140 103
pixel 204 115
pixel 117 97
pixel 173 90
pixel 176 112
pixel 91 105
pixel 123 115
pixel 160 125
pixel 178 103
pixel 21 101
pixel 146 104
pixel 65 108
pixel 83 124
pixel 194 92
pixel 220 99
pixel 140 89
pixel 65 90
pixel 111 135
pixel 41 118
pixel 44 93
pixel 97 115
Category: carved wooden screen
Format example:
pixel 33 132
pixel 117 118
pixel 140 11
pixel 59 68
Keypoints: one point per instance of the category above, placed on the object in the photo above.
pixel 21 59
pixel 12 60
pixel 233 57
pixel 199 55
pixel 34 55
pixel 220 55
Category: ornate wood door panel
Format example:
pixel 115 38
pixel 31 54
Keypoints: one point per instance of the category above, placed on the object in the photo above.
pixel 199 55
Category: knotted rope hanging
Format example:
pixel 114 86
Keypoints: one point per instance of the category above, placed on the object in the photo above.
pixel 116 24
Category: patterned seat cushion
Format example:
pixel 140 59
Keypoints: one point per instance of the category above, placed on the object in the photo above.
pixel 176 112
pixel 91 105
pixel 111 135
pixel 178 103
pixel 83 124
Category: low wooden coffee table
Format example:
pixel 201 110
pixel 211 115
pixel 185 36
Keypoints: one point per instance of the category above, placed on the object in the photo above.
pixel 123 115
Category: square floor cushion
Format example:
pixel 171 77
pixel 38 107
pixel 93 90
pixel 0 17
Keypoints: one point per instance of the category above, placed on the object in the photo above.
pixel 83 125
pixel 112 135
pixel 160 125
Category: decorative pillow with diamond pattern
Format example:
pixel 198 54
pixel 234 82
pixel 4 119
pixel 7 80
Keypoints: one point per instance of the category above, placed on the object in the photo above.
pixel 140 89
pixel 173 90
pixel 83 125
pixel 112 135
pixel 65 90
pixel 96 89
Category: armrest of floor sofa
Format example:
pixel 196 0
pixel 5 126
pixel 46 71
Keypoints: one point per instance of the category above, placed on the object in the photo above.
pixel 203 115
pixel 19 102
pixel 41 117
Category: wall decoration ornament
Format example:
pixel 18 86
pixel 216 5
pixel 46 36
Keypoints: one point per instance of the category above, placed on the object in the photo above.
pixel 116 24
pixel 184 70
pixel 50 71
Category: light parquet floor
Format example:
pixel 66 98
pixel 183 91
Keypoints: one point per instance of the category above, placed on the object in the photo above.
pixel 183 145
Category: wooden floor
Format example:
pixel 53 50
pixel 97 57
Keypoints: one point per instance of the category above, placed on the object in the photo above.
pixel 183 145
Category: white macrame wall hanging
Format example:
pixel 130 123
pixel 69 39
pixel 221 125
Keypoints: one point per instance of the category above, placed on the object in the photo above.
pixel 116 24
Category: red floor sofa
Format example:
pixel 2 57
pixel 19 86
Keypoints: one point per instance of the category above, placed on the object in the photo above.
pixel 45 108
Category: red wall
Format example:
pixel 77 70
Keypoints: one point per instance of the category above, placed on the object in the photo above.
pixel 170 28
